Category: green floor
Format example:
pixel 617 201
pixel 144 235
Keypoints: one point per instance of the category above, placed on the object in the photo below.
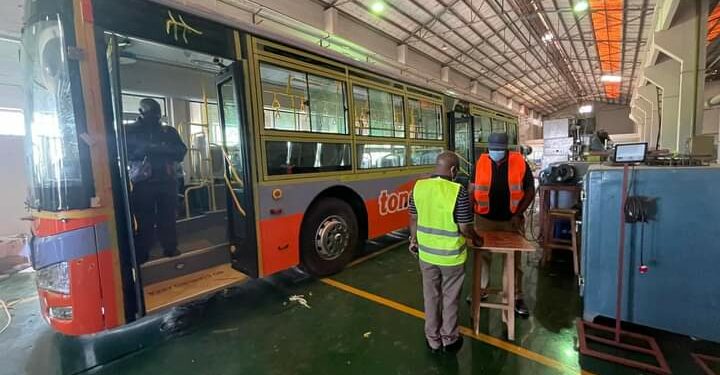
pixel 253 329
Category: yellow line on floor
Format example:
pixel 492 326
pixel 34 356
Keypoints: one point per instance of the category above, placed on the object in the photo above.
pixel 22 300
pixel 373 255
pixel 504 345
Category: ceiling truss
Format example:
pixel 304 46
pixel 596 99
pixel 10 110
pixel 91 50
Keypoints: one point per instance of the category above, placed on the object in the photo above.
pixel 540 53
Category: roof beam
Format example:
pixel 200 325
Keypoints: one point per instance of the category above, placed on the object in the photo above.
pixel 557 56
pixel 518 92
pixel 637 49
pixel 533 101
pixel 575 52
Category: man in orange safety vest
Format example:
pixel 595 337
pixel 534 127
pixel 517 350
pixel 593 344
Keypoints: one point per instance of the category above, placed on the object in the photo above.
pixel 503 189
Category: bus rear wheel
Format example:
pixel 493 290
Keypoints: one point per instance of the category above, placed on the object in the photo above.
pixel 328 237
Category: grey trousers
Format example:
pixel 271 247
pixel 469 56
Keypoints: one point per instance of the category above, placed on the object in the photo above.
pixel 441 291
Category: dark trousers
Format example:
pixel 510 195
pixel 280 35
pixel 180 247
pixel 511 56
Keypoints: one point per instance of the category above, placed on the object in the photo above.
pixel 155 204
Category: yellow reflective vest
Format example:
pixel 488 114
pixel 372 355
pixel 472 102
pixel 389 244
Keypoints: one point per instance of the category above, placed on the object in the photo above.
pixel 439 240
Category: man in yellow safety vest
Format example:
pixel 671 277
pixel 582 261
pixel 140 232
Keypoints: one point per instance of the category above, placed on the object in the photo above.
pixel 441 219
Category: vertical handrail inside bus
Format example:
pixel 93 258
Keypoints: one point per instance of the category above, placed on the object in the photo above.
pixel 469 164
pixel 235 175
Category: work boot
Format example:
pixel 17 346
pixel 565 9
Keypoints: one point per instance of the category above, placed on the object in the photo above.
pixel 483 297
pixel 431 349
pixel 454 347
pixel 521 308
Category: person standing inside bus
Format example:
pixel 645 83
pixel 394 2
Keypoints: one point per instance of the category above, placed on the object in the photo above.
pixel 503 189
pixel 153 152
pixel 441 219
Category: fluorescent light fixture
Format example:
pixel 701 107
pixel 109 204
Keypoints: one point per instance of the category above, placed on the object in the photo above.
pixel 587 108
pixel 548 37
pixel 581 6
pixel 610 78
pixel 377 7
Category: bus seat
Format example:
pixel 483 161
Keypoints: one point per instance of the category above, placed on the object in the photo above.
pixel 390 161
pixel 218 163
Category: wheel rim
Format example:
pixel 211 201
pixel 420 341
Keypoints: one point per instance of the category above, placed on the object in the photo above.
pixel 332 238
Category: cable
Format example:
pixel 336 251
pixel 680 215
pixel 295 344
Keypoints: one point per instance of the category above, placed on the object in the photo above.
pixel 659 99
pixel 532 217
pixel 9 317
pixel 642 248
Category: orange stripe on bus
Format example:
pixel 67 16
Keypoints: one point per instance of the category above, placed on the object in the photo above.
pixel 108 287
pixel 279 243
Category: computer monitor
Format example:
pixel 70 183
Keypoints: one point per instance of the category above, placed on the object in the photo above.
pixel 630 153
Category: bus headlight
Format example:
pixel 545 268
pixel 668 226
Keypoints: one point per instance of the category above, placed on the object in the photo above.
pixel 55 278
pixel 62 313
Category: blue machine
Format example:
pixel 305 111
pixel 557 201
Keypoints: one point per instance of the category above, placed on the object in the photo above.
pixel 681 291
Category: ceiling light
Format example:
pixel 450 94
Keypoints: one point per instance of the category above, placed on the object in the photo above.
pixel 444 47
pixel 610 78
pixel 581 6
pixel 548 37
pixel 377 7
pixel 587 108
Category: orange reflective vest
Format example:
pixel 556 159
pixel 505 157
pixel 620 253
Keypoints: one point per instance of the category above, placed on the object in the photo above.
pixel 483 180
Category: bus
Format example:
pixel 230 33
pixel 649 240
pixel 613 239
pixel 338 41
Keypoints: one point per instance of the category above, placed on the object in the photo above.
pixel 294 158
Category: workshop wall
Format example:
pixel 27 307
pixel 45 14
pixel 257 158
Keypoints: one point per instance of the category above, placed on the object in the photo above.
pixel 12 204
pixel 612 117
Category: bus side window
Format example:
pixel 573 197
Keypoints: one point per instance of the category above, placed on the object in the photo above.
pixel 277 153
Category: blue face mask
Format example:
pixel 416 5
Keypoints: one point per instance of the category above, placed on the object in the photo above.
pixel 497 155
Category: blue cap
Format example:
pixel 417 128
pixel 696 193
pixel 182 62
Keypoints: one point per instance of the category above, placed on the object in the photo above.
pixel 498 141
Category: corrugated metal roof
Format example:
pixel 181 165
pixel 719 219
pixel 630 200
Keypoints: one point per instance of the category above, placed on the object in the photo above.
pixel 540 52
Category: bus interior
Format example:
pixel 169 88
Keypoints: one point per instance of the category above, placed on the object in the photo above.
pixel 184 83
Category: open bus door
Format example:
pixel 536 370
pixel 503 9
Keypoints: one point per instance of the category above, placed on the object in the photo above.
pixel 238 176
pixel 461 141
pixel 132 284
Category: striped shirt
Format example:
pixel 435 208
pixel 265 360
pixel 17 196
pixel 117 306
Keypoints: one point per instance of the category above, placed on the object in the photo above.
pixel 462 213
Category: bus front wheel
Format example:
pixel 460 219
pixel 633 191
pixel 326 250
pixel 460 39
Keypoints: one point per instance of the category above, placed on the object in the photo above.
pixel 328 237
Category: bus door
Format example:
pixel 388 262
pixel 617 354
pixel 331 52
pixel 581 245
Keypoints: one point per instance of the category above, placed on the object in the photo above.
pixel 184 209
pixel 461 128
pixel 238 176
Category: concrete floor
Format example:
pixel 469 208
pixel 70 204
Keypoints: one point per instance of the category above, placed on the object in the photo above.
pixel 365 320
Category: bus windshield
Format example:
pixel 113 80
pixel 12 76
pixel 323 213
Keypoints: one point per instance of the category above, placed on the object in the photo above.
pixel 54 163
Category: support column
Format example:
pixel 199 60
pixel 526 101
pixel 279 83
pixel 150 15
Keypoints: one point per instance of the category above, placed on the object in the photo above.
pixel 666 75
pixel 330 16
pixel 445 74
pixel 402 53
pixel 474 87
pixel 638 118
pixel 684 42
pixel 647 101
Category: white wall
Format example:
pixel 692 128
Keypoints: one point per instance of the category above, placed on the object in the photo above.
pixel 10 77
pixel 611 117
pixel 614 118
pixel 14 188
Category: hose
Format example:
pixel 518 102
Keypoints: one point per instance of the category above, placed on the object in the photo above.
pixel 7 313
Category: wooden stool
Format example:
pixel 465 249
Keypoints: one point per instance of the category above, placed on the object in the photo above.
pixel 506 243
pixel 551 242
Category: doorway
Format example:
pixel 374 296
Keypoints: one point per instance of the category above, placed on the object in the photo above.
pixel 185 168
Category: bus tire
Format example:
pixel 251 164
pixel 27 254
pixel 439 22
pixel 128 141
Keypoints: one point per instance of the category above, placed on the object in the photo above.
pixel 329 237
